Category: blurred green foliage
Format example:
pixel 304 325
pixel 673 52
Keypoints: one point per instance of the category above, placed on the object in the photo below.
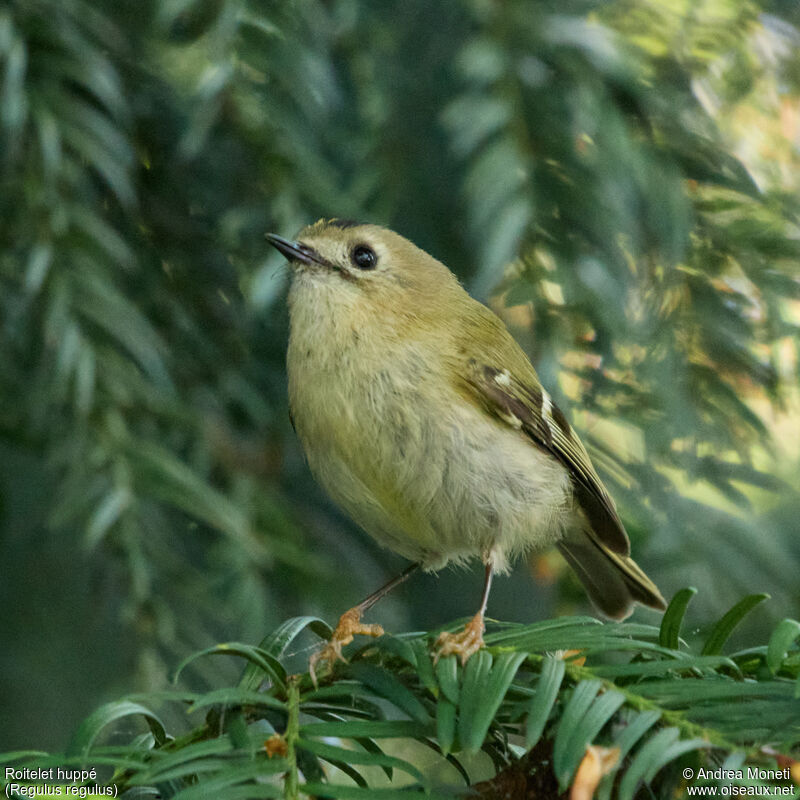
pixel 154 499
pixel 528 716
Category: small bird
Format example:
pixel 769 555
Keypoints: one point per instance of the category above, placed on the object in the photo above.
pixel 424 420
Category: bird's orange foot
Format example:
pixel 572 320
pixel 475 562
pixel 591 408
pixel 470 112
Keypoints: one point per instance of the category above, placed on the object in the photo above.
pixel 349 625
pixel 463 644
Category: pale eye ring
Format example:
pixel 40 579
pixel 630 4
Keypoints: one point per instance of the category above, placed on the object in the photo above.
pixel 364 257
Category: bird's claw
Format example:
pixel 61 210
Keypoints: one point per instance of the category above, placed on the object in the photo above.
pixel 349 626
pixel 464 643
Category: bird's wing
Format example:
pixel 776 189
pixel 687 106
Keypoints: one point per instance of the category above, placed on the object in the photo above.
pixel 527 407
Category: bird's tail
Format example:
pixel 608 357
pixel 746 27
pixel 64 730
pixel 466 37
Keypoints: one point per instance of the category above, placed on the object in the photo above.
pixel 613 582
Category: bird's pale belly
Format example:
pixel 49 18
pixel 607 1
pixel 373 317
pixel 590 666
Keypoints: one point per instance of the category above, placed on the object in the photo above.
pixel 441 489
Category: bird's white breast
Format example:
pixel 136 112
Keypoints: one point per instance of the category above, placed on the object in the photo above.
pixel 425 471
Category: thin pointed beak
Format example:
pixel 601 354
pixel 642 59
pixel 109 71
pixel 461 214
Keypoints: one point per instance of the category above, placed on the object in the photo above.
pixel 295 251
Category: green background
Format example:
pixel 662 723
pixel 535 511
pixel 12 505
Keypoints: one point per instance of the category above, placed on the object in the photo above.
pixel 618 179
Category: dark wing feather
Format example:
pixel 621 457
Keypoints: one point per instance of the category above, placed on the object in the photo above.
pixel 529 408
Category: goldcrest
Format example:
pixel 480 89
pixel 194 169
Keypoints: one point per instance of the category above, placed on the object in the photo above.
pixel 424 420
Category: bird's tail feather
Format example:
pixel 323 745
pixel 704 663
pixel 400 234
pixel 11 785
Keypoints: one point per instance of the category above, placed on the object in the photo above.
pixel 612 581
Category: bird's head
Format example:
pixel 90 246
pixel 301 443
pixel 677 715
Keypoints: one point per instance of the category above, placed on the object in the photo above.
pixel 365 268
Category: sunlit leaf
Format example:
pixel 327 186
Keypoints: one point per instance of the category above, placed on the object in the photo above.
pixel 669 633
pixel 552 673
pixel 648 755
pixel 254 655
pixel 92 726
pixel 275 644
pixel 482 692
pixel 573 738
pixel 786 632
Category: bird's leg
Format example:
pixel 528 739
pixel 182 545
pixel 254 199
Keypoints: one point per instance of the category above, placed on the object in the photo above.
pixel 350 625
pixel 470 640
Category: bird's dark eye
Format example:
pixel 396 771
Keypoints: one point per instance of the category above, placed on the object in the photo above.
pixel 364 257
